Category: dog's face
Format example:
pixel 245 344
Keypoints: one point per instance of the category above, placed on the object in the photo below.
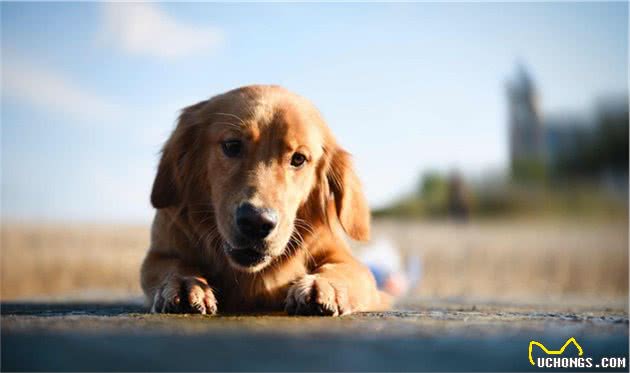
pixel 265 164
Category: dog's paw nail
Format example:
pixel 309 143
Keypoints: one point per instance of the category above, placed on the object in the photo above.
pixel 185 295
pixel 316 296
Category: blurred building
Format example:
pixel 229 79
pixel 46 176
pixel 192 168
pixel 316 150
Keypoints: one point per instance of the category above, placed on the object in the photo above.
pixel 525 125
pixel 565 146
pixel 562 136
pixel 611 148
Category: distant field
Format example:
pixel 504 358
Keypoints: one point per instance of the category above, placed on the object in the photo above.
pixel 518 261
pixel 83 261
pixel 509 261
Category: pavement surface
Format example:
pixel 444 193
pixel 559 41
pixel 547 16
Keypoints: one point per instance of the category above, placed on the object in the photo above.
pixel 123 337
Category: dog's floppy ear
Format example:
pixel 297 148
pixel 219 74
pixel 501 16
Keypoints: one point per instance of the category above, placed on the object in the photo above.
pixel 350 204
pixel 166 190
pixel 164 193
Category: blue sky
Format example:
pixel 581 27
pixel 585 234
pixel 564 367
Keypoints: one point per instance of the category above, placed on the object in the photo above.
pixel 91 90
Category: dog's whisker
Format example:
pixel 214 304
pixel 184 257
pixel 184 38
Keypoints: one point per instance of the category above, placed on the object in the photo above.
pixel 296 241
pixel 231 115
pixel 310 256
pixel 206 219
pixel 305 225
pixel 231 124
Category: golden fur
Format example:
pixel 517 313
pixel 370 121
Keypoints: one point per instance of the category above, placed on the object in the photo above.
pixel 309 268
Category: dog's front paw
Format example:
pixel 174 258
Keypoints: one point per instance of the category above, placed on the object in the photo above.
pixel 316 296
pixel 185 294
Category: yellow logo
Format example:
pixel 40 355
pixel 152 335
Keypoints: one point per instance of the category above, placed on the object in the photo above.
pixel 554 352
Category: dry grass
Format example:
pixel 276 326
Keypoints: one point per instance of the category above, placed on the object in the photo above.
pixel 497 261
pixel 517 261
pixel 48 260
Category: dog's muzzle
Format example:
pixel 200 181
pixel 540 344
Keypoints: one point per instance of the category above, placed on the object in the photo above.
pixel 246 257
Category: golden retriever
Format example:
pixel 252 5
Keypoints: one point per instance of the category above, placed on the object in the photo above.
pixel 251 192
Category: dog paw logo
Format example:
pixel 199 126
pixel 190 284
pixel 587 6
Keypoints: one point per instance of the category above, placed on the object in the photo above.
pixel 553 352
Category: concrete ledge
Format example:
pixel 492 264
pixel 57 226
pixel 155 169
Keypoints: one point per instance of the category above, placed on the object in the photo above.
pixel 121 336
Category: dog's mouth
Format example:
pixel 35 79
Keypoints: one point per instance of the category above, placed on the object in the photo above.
pixel 245 257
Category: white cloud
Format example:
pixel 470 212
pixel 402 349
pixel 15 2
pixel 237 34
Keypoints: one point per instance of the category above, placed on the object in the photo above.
pixel 51 91
pixel 145 29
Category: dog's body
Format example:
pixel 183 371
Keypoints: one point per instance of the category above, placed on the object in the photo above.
pixel 252 192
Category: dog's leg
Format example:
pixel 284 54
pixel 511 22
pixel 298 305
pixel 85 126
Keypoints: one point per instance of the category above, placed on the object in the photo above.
pixel 172 287
pixel 338 287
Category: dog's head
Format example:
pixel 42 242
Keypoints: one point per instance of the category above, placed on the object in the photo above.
pixel 254 167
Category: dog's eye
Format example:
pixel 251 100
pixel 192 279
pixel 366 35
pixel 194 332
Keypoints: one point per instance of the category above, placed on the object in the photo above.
pixel 297 160
pixel 231 148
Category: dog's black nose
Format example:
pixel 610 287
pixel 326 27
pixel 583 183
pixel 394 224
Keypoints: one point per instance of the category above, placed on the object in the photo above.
pixel 255 223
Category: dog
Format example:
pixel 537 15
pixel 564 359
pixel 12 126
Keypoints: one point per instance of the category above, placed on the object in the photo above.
pixel 252 194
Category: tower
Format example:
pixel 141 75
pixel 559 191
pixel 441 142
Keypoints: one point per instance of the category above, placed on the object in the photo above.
pixel 525 127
